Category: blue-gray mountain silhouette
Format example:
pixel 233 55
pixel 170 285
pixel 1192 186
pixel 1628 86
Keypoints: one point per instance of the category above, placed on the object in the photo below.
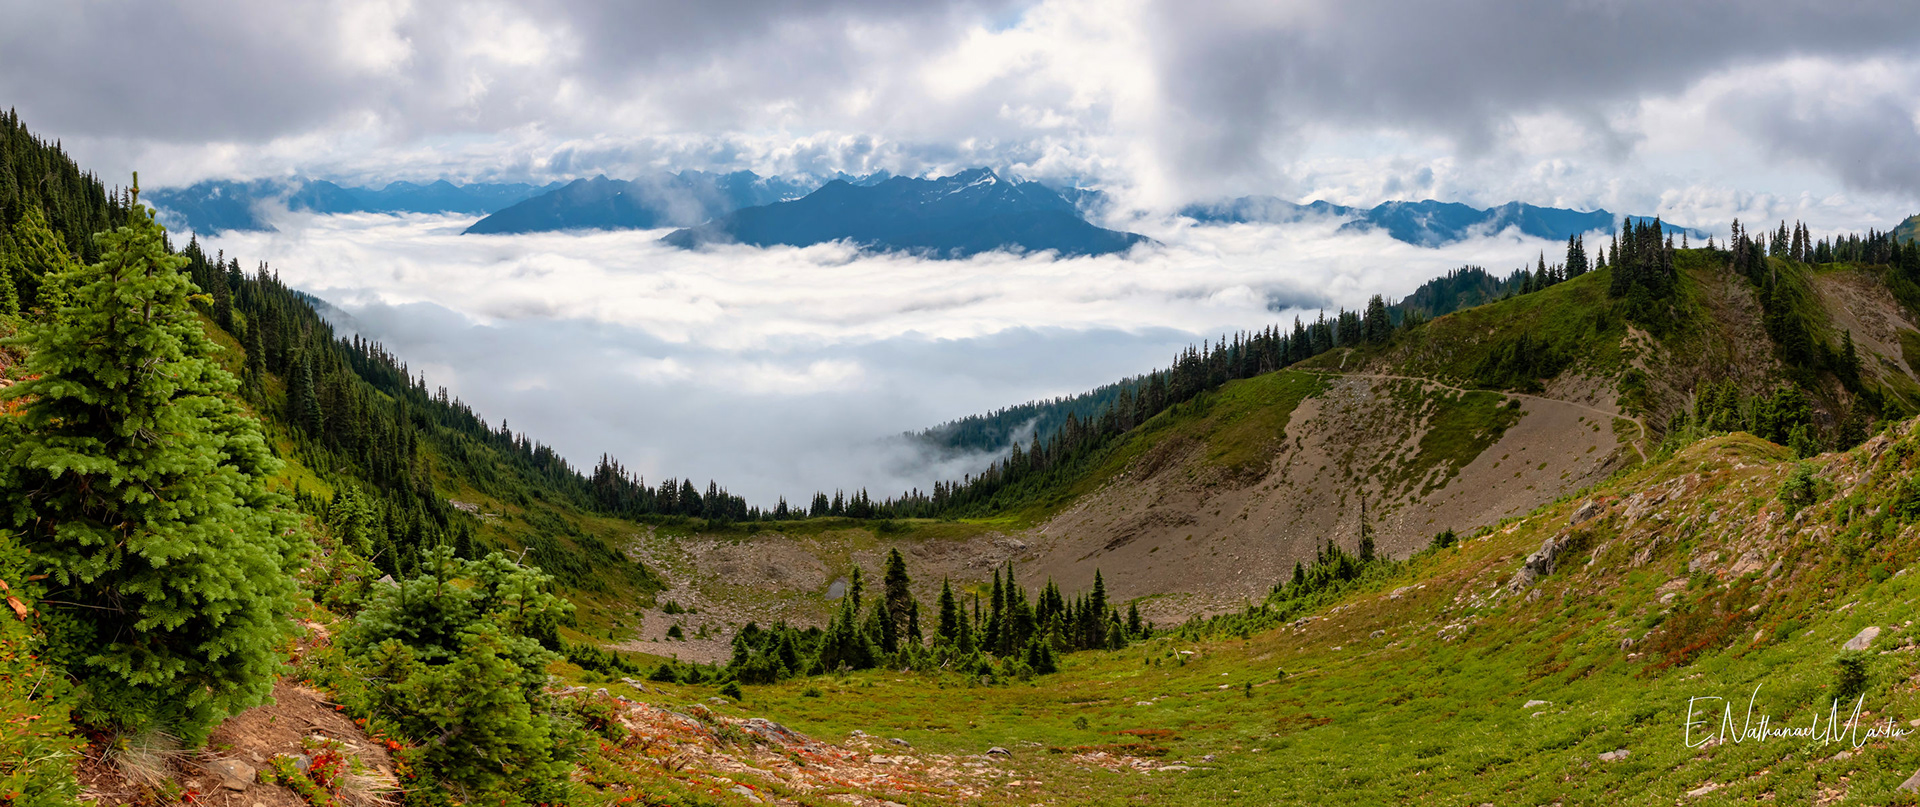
pixel 662 200
pixel 964 214
pixel 1426 223
pixel 216 206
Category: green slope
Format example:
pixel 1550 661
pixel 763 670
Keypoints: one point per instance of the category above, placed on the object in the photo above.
pixel 1434 709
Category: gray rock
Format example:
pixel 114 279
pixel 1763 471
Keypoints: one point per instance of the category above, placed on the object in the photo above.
pixel 1614 756
pixel 1174 767
pixel 1531 704
pixel 899 742
pixel 771 730
pixel 856 733
pixel 234 774
pixel 1376 634
pixel 749 795
pixel 997 751
pixel 1703 790
pixel 1912 784
pixel 1208 758
pixel 1587 511
pixel 719 701
pixel 1540 564
pixel 1862 640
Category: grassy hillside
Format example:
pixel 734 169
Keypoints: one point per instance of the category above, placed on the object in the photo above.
pixel 1454 680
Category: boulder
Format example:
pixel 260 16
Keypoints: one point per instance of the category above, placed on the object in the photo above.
pixel 234 774
pixel 1614 756
pixel 1912 784
pixel 772 731
pixel 1587 511
pixel 900 742
pixel 1863 639
pixel 1540 564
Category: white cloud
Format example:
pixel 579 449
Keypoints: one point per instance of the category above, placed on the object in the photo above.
pixel 781 370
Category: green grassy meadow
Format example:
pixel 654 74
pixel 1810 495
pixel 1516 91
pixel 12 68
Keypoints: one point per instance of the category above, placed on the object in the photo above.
pixel 1432 709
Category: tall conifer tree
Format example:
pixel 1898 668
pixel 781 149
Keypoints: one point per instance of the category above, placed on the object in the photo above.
pixel 139 487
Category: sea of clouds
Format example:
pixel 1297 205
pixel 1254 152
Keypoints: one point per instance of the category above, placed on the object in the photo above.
pixel 788 370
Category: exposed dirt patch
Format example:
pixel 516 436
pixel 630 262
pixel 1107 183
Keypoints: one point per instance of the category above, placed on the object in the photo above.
pixel 721 584
pixel 1861 305
pixel 1155 531
pixel 252 739
pixel 759 761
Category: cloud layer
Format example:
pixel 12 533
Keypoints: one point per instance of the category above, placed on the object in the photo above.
pixel 784 370
pixel 1625 104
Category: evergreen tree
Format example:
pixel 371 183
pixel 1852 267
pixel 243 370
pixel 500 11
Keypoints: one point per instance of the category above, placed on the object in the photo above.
pixel 37 255
pixel 141 490
pixel 1576 256
pixel 994 635
pixel 947 629
pixel 9 299
pixel 898 601
pixel 254 372
pixel 1379 325
pixel 459 651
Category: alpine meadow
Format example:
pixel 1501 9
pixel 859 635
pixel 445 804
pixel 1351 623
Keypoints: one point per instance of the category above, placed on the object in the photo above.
pixel 999 402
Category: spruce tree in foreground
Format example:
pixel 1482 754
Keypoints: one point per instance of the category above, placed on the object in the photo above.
pixel 139 488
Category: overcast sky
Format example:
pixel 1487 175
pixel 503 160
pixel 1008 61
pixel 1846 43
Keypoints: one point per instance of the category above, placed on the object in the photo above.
pixel 1697 110
pixel 780 371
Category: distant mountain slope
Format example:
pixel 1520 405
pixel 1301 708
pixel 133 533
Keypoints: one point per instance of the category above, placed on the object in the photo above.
pixel 1907 230
pixel 216 206
pixel 964 214
pixel 663 200
pixel 1426 223
pixel 1267 209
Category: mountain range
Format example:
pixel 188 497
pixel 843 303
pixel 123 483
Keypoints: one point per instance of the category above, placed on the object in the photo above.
pixel 661 200
pixel 1426 223
pixel 954 216
pixel 216 206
